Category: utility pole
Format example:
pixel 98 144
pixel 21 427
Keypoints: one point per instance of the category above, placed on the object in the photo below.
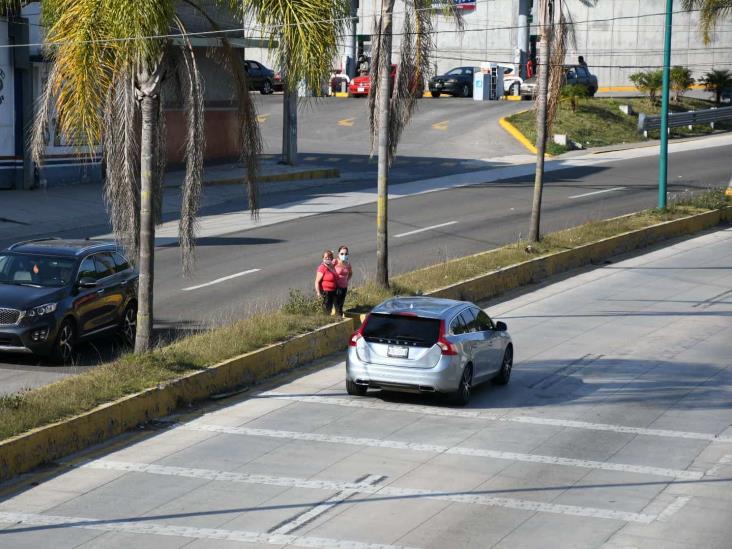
pixel 289 118
pixel 352 68
pixel 523 36
pixel 663 159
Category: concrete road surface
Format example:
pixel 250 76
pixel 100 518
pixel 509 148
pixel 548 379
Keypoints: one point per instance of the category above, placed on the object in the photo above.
pixel 614 432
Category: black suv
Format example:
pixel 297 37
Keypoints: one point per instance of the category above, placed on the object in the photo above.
pixel 54 293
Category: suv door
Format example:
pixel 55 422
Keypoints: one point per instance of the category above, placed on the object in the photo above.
pixel 491 341
pixel 110 289
pixel 254 71
pixel 88 306
pixel 462 337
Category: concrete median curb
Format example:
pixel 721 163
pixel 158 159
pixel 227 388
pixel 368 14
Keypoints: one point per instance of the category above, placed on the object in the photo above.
pixel 301 175
pixel 24 452
pixel 518 136
pixel 534 270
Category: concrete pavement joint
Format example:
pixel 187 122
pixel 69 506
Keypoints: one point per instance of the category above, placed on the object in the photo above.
pixel 32 521
pixel 450 412
pixel 455 450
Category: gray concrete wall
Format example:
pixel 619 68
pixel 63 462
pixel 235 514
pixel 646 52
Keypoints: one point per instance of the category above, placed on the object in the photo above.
pixel 616 37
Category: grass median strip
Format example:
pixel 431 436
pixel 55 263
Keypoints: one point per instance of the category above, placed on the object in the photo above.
pixel 130 374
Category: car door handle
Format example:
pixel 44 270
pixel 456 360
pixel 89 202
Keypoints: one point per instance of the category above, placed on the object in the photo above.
pixel 100 292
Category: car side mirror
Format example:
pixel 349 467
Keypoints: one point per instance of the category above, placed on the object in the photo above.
pixel 86 282
pixel 501 327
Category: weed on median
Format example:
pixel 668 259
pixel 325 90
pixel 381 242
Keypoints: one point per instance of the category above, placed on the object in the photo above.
pixel 300 314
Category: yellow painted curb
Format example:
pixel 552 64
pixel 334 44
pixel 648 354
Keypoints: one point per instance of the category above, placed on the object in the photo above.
pixel 513 97
pixel 45 444
pixel 341 94
pixel 728 192
pixel 534 270
pixel 517 135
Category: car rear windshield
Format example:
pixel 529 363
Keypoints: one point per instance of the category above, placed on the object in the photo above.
pixel 420 332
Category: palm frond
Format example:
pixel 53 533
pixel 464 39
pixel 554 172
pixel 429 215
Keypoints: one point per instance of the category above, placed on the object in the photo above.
pixel 710 12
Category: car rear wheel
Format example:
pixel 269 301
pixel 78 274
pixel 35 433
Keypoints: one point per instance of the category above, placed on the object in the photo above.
pixel 466 91
pixel 267 88
pixel 435 94
pixel 462 396
pixel 506 366
pixel 64 348
pixel 353 388
pixel 128 328
pixel 513 88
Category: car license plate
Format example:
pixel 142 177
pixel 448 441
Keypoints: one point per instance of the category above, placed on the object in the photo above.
pixel 395 351
pixel 361 89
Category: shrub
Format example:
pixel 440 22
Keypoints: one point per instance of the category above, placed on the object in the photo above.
pixel 716 82
pixel 681 81
pixel 575 93
pixel 300 304
pixel 649 82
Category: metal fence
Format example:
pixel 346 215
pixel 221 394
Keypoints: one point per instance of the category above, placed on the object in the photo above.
pixel 691 118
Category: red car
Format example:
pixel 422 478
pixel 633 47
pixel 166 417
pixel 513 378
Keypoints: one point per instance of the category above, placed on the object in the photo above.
pixel 361 85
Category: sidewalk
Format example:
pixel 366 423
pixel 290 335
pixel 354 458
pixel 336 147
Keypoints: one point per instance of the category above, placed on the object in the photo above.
pixel 51 211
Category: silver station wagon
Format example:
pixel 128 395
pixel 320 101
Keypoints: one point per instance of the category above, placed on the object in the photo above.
pixel 428 345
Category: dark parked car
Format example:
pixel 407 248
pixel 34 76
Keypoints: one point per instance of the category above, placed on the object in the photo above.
pixel 260 77
pixel 457 82
pixel 573 74
pixel 55 293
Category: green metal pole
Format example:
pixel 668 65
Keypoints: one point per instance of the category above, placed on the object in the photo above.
pixel 663 161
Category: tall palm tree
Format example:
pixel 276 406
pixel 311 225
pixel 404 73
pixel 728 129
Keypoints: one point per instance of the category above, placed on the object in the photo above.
pixel 392 102
pixel 557 33
pixel 113 63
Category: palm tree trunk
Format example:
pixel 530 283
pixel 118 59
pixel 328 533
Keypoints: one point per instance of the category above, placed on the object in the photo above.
pixel 289 117
pixel 382 188
pixel 146 263
pixel 541 122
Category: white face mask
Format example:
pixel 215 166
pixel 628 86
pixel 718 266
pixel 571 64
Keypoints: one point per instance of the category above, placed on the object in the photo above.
pixel 328 261
pixel 344 257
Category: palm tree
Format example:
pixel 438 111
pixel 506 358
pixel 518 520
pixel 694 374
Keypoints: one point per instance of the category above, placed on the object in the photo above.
pixel 717 81
pixel 392 101
pixel 557 32
pixel 113 63
pixel 710 12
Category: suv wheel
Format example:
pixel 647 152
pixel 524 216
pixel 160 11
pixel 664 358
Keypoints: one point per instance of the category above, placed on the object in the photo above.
pixel 506 366
pixel 267 88
pixel 353 388
pixel 435 94
pixel 128 328
pixel 65 345
pixel 466 90
pixel 462 396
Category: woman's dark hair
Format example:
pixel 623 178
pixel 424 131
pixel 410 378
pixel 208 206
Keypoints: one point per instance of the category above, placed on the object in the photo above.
pixel 343 247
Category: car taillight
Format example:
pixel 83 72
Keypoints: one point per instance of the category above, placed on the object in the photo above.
pixel 447 348
pixel 358 334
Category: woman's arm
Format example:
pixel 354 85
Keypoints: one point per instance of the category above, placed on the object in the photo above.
pixel 318 280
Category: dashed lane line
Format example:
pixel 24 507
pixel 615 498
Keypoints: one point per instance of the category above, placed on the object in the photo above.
pixel 222 279
pixel 432 227
pixel 367 487
pixel 455 450
pixel 673 508
pixel 23 521
pixel 614 189
pixel 374 404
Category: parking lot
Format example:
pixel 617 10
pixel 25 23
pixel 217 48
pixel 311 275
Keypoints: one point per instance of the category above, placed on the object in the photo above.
pixel 615 431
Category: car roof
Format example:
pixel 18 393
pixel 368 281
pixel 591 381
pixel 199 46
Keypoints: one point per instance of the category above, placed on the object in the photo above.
pixel 62 247
pixel 426 307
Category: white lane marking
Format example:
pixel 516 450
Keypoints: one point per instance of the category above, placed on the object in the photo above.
pixel 598 192
pixel 383 491
pixel 457 450
pixel 324 507
pixel 673 508
pixel 375 404
pixel 22 520
pixel 724 460
pixel 410 233
pixel 222 279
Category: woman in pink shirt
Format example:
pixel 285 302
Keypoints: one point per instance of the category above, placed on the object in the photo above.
pixel 344 272
pixel 325 282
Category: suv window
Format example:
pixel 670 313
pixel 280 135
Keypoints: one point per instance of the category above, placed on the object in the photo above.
pixel 583 72
pixel 104 265
pixel 414 330
pixel 469 318
pixel 483 321
pixel 457 326
pixel 88 269
pixel 120 262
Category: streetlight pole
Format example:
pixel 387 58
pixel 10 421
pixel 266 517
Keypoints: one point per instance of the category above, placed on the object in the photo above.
pixel 663 160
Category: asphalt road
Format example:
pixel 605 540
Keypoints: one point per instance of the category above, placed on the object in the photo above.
pixel 614 432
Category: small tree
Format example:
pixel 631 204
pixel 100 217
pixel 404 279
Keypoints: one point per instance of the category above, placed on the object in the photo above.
pixel 575 93
pixel 681 81
pixel 716 82
pixel 649 82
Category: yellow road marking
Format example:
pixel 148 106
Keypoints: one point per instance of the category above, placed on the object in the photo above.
pixel 348 122
pixel 442 126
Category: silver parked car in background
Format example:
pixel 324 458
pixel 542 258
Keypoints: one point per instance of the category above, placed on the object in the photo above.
pixel 428 345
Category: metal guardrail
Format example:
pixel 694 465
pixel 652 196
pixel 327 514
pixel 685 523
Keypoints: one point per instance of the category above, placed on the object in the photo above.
pixel 691 118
